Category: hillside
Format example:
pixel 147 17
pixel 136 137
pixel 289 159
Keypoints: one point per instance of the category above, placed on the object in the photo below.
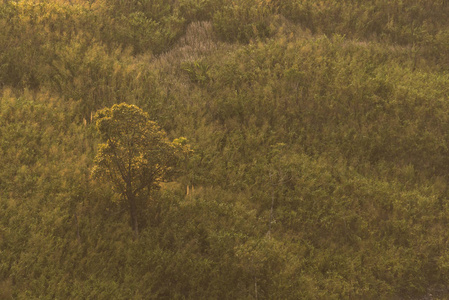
pixel 319 132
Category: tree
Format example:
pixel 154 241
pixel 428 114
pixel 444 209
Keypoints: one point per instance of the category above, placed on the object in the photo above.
pixel 136 154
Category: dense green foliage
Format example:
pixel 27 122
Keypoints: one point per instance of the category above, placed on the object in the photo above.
pixel 320 133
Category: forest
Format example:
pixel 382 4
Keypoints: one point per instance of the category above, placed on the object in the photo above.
pixel 273 149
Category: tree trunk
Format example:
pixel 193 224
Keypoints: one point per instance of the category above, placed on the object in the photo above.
pixel 133 214
pixel 255 288
pixel 78 236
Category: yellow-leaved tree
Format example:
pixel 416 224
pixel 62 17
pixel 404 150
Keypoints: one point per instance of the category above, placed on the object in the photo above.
pixel 135 155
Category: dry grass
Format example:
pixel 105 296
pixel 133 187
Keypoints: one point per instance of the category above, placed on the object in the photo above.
pixel 199 41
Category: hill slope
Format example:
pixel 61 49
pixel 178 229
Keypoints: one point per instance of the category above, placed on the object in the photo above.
pixel 319 132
